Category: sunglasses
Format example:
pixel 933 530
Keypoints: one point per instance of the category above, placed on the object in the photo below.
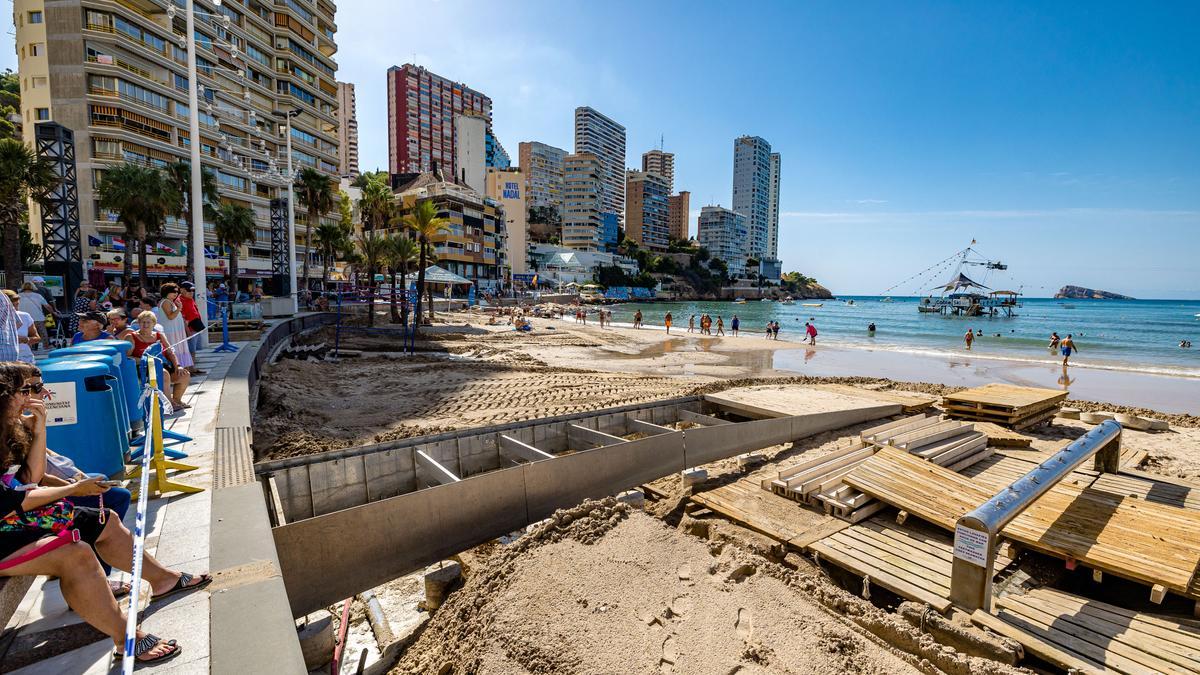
pixel 36 388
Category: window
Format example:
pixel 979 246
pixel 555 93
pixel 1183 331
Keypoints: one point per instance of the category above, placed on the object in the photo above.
pixel 35 17
pixel 42 114
pixel 39 82
pixel 37 49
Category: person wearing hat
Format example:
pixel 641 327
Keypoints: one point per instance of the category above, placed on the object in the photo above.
pixel 192 320
pixel 91 327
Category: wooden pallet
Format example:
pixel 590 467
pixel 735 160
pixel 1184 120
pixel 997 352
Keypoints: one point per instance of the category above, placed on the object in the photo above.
pixel 1131 538
pixel 1005 405
pixel 745 503
pixel 912 562
pixel 999 437
pixel 1158 489
pixel 1092 636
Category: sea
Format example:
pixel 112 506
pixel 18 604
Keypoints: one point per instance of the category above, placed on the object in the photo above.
pixel 1130 335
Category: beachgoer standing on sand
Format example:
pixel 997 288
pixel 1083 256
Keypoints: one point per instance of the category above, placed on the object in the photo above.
pixel 733 325
pixel 770 327
pixel 667 321
pixel 637 319
pixel 692 324
pixel 1068 348
pixel 969 338
pixel 720 325
pixel 1054 340
pixel 775 331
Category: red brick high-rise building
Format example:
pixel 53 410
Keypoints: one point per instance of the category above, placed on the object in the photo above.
pixel 421 110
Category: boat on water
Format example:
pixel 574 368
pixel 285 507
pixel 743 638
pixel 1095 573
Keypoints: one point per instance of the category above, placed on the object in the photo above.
pixel 788 300
pixel 1066 306
pixel 964 296
pixel 887 299
pixel 739 301
pixel 812 304
pixel 765 300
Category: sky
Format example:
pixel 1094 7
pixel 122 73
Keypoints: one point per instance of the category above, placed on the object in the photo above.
pixel 1065 138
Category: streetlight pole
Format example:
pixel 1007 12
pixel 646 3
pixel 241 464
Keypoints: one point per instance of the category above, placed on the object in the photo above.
pixel 291 199
pixel 196 202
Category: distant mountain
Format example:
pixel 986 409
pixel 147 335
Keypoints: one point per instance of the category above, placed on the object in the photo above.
pixel 1081 293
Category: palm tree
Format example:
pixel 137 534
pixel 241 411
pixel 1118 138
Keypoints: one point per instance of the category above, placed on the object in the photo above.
pixel 22 175
pixel 373 248
pixel 377 208
pixel 330 238
pixel 180 175
pixel 425 224
pixel 234 225
pixel 142 198
pixel 401 255
pixel 316 192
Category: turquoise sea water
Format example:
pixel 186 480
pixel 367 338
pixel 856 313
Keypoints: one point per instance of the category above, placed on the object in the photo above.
pixel 1136 335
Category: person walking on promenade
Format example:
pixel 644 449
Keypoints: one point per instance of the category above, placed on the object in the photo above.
pixel 969 338
pixel 1068 348
pixel 733 325
pixel 667 321
pixel 721 325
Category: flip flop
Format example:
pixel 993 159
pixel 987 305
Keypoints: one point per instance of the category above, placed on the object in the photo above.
pixel 147 643
pixel 119 589
pixel 184 585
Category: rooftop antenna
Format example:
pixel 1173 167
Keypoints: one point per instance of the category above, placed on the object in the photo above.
pixel 661 140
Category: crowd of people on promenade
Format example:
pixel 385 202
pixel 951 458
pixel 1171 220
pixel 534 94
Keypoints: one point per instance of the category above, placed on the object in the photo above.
pixel 56 520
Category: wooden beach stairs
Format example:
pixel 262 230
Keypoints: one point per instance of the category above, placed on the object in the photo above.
pixel 1005 404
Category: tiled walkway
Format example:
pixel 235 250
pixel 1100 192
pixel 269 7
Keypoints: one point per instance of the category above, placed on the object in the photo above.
pixel 177 534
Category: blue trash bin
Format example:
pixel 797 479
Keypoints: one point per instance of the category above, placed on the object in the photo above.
pixel 117 384
pixel 119 370
pixel 81 419
pixel 131 388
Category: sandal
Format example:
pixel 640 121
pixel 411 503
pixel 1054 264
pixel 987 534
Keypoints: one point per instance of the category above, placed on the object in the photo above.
pixel 119 589
pixel 184 585
pixel 147 643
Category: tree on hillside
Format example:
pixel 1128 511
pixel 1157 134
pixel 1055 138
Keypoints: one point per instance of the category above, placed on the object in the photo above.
pixel 10 104
pixel 23 175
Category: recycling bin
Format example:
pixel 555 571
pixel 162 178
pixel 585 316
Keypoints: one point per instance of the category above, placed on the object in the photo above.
pixel 131 388
pixel 81 415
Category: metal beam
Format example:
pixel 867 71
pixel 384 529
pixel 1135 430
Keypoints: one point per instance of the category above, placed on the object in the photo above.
pixel 590 437
pixel 516 450
pixel 648 428
pixel 703 420
pixel 438 473
pixel 976 532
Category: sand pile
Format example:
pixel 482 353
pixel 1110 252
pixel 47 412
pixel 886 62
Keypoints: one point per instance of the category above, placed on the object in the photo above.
pixel 600 589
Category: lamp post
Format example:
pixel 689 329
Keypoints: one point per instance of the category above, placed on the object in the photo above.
pixel 291 199
pixel 196 202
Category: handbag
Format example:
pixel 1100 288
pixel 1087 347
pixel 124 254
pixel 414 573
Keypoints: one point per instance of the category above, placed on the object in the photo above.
pixel 53 517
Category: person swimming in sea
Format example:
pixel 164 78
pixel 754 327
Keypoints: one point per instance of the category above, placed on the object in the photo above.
pixel 1054 340
pixel 871 328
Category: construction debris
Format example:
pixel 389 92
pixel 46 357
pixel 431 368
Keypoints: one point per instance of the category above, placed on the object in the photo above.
pixel 1005 404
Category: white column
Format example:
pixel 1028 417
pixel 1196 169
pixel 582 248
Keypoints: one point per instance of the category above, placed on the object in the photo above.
pixel 197 199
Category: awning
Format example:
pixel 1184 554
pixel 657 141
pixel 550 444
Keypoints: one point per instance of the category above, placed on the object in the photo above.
pixel 962 281
pixel 439 275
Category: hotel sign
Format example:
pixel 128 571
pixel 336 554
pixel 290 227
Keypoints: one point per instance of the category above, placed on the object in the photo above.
pixel 512 190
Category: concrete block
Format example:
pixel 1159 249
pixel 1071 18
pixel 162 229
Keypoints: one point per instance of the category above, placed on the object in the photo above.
pixel 634 498
pixel 316 639
pixel 691 478
pixel 438 582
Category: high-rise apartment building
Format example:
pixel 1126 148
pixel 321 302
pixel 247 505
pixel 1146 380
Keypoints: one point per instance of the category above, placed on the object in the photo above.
pixel 752 190
pixel 677 215
pixel 661 163
pixel 114 72
pixel 583 202
pixel 347 131
pixel 507 186
pixel 723 232
pixel 646 196
pixel 542 166
pixel 421 110
pixel 470 150
pixel 773 208
pixel 497 157
pixel 600 136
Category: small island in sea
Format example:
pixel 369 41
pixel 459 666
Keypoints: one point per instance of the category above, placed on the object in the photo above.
pixel 1081 293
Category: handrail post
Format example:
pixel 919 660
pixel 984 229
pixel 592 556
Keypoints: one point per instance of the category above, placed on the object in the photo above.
pixel 976 533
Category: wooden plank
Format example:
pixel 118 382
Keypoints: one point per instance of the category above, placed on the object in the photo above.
pixel 795 469
pixel 1036 645
pixel 1000 437
pixel 827 527
pixel 949 429
pixel 914 425
pixel 891 425
pixel 863 566
pixel 1006 397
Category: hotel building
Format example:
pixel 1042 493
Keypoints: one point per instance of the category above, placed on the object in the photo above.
pixel 661 163
pixel 752 190
pixel 723 232
pixel 421 111
pixel 114 72
pixel 543 168
pixel 583 202
pixel 646 219
pixel 602 137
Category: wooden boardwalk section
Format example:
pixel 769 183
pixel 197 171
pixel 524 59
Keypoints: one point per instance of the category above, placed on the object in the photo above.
pixel 1129 537
pixel 1092 636
pixel 1005 404
pixel 912 562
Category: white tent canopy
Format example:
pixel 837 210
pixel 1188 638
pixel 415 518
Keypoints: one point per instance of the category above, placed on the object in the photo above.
pixel 440 275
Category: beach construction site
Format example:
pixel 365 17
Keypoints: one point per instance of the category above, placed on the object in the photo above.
pixel 983 531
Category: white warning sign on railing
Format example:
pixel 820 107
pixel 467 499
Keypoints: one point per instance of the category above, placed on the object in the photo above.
pixel 971 545
pixel 62 407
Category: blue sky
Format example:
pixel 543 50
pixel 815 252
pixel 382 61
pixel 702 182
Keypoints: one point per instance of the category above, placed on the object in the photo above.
pixel 1066 139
